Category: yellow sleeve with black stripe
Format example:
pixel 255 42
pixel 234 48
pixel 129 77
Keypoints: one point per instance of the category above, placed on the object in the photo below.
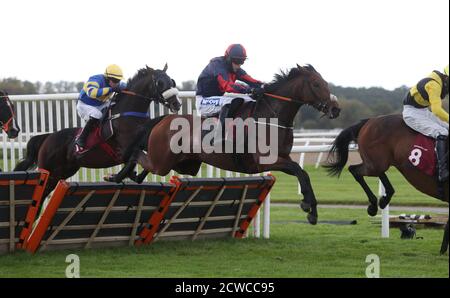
pixel 434 92
pixel 93 91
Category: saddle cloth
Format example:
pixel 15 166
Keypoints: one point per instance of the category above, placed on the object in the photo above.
pixel 422 154
pixel 98 137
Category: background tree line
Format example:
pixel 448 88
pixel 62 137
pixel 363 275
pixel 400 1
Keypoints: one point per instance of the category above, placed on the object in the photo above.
pixel 356 103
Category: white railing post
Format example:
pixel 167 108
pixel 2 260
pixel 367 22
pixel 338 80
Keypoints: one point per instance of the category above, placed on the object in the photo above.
pixel 266 222
pixel 384 213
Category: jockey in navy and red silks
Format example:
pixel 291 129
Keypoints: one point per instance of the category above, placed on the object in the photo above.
pixel 219 77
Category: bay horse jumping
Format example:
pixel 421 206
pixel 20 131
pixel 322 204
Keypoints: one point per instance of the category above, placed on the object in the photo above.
pixel 55 152
pixel 384 141
pixel 8 121
pixel 283 98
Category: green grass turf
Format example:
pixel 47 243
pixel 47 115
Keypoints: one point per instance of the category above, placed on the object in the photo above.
pixel 294 249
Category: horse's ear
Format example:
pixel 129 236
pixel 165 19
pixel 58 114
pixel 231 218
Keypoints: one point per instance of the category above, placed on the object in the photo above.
pixel 301 69
pixel 165 67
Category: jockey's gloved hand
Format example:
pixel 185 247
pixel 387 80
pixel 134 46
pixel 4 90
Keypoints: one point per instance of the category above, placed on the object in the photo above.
pixel 117 89
pixel 257 92
pixel 120 87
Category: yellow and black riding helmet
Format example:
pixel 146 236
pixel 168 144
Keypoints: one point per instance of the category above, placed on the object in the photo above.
pixel 114 72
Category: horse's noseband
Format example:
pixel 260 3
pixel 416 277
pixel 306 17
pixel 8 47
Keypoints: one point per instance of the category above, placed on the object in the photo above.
pixel 169 93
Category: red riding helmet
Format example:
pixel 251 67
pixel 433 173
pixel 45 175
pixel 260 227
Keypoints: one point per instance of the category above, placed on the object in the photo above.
pixel 236 53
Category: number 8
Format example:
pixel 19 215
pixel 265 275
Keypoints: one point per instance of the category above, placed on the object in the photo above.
pixel 414 158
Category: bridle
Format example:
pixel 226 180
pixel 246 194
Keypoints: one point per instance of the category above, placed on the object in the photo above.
pixel 322 107
pixel 159 97
pixel 5 125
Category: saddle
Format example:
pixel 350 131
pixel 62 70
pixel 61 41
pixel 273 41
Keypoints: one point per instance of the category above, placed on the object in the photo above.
pixel 99 136
pixel 245 111
pixel 240 113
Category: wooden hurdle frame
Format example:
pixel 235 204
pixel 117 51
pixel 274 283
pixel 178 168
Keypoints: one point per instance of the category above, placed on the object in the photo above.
pixel 229 203
pixel 37 179
pixel 161 222
pixel 36 241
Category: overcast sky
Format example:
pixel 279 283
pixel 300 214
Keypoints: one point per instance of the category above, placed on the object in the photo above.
pixel 357 43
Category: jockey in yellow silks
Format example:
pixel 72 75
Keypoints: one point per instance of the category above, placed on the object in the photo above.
pixel 423 112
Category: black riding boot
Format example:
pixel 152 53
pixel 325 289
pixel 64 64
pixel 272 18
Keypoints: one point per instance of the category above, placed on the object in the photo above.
pixel 81 141
pixel 219 136
pixel 441 151
pixel 227 111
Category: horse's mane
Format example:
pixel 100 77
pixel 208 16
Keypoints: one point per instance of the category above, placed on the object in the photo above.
pixel 285 76
pixel 141 73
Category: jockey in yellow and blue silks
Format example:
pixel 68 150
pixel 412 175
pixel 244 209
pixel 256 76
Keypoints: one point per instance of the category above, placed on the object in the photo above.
pixel 94 97
pixel 423 112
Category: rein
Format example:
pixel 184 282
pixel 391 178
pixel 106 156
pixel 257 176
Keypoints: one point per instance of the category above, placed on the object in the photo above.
pixel 131 93
pixel 320 107
pixel 263 100
pixel 279 97
pixel 132 114
pixel 160 98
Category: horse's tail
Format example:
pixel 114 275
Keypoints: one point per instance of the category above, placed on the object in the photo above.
pixel 140 142
pixel 338 155
pixel 33 146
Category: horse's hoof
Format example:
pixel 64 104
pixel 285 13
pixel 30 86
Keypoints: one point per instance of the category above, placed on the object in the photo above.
pixel 312 219
pixel 383 203
pixel 109 178
pixel 372 210
pixel 139 180
pixel 133 176
pixel 305 206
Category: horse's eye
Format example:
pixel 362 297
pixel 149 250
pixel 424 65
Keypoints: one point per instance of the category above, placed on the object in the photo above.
pixel 316 85
pixel 173 83
pixel 160 84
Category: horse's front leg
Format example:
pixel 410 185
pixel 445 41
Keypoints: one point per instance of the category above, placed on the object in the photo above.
pixel 127 171
pixel 386 199
pixel 358 172
pixel 309 202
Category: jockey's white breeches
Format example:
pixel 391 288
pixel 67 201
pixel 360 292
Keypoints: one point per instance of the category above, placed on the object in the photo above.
pixel 86 111
pixel 424 121
pixel 210 106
